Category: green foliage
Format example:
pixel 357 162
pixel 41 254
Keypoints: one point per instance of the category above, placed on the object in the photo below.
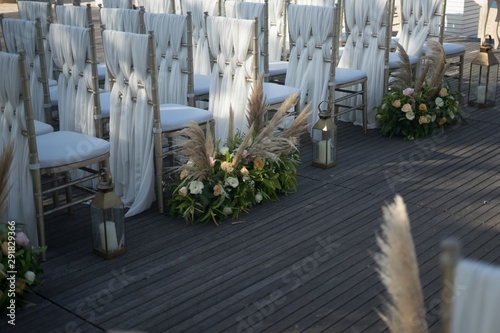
pixel 404 112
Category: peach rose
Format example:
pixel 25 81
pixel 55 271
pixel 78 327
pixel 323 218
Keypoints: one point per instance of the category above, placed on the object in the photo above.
pixel 443 92
pixel 442 121
pixel 244 172
pixel 406 108
pixel 396 103
pixel 5 248
pixel 258 163
pixel 183 174
pixel 226 166
pixel 218 190
pixel 422 107
pixel 423 120
pixel 183 191
pixel 20 285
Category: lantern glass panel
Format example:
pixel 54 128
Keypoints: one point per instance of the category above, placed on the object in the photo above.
pixel 108 230
pixel 491 89
pixel 324 145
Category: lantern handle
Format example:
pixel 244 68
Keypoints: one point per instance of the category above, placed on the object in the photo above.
pixel 327 108
pixel 105 177
pixel 490 40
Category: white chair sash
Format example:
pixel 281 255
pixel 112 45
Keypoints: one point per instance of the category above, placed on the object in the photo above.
pixel 201 55
pixel 158 6
pixel 72 15
pixel 170 32
pixel 131 123
pixel 230 43
pixel 20 204
pixel 125 4
pixel 119 19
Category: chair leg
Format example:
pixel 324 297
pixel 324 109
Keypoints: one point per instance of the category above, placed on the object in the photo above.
pixel 55 194
pixel 69 194
pixel 365 113
pixel 40 224
pixel 461 72
pixel 159 170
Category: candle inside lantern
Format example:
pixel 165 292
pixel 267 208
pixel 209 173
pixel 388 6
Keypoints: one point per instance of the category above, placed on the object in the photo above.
pixel 324 151
pixel 110 236
pixel 481 94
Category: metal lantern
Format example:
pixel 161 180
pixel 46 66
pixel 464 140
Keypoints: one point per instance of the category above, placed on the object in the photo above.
pixel 483 77
pixel 108 219
pixel 324 137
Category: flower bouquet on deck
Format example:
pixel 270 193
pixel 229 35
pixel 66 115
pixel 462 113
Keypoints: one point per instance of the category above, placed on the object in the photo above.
pixel 221 181
pixel 413 109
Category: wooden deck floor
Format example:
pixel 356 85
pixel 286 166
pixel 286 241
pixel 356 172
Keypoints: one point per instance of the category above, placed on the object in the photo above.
pixel 303 264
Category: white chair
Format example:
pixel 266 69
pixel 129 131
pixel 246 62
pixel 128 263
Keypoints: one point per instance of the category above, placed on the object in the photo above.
pixel 32 10
pixel 470 293
pixel 51 154
pixel 423 20
pixel 26 37
pixel 367 49
pixel 138 122
pixel 78 87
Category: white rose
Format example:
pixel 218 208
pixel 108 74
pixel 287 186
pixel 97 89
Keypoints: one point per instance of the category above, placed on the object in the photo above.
pixel 183 191
pixel 232 181
pixel 410 115
pixel 258 197
pixel 196 187
pixel 439 102
pixel 224 150
pixel 29 276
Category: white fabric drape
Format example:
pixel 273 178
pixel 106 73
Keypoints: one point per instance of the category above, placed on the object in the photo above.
pixel 364 50
pixel 20 36
pixel 125 4
pixel 72 15
pixel 158 6
pixel 119 19
pixel 31 10
pixel 248 11
pixel 20 204
pixel 71 48
pixel 310 58
pixel 325 3
pixel 475 298
pixel 419 20
pixel 170 32
pixel 200 43
pixel 229 41
pixel 131 123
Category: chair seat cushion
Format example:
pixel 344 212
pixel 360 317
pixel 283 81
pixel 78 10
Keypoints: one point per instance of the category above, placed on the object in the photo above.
pixel 277 93
pixel 201 84
pixel 62 148
pixel 52 82
pixel 346 75
pixel 394 60
pixel 450 49
pixel 101 72
pixel 42 128
pixel 277 68
pixel 54 95
pixel 105 97
pixel 176 116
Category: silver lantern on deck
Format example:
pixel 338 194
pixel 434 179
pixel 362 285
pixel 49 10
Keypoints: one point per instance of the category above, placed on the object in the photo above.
pixel 108 219
pixel 324 137
pixel 483 77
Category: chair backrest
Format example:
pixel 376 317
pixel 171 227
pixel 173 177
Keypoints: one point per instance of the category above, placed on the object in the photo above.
pixel 201 58
pixel 125 4
pixel 134 115
pixel 26 37
pixel 74 15
pixel 120 19
pixel 32 10
pixel 368 28
pixel 248 11
pixel 74 58
pixel 313 49
pixel 421 20
pixel 174 55
pixel 234 49
pixel 470 294
pixel 16 120
pixel 158 6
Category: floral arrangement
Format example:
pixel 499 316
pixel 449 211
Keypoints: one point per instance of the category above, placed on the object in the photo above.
pixel 19 266
pixel 221 181
pixel 413 109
